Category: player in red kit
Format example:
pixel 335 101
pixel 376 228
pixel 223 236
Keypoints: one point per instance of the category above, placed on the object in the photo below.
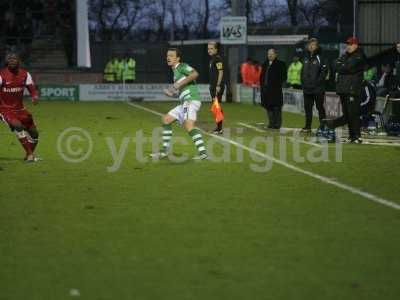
pixel 13 81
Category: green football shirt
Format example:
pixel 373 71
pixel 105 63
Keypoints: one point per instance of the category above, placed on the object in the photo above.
pixel 190 91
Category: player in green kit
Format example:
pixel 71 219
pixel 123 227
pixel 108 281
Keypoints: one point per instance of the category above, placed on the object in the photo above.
pixel 186 113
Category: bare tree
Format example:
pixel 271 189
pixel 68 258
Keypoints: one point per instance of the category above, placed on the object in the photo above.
pixel 116 17
pixel 293 10
pixel 312 12
pixel 266 13
pixel 206 17
pixel 172 11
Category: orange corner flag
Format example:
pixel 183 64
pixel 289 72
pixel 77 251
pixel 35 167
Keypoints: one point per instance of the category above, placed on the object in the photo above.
pixel 217 111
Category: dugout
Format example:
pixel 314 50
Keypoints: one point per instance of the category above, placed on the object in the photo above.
pixel 378 24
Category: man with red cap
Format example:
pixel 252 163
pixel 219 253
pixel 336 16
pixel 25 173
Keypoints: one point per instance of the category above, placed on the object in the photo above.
pixel 349 70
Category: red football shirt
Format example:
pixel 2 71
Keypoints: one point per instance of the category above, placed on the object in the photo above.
pixel 13 86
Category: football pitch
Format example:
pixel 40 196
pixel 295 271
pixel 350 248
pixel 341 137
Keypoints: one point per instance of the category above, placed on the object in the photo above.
pixel 270 216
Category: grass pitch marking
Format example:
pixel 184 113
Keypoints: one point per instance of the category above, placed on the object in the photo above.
pixel 282 131
pixel 251 127
pixel 321 178
pixel 379 143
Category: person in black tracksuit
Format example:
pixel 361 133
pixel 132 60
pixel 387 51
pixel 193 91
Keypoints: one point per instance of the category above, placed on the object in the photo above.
pixel 368 102
pixel 349 69
pixel 313 77
pixel 216 77
pixel 396 66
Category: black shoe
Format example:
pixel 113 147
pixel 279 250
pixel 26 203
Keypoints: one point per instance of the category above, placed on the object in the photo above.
pixel 305 130
pixel 356 141
pixel 353 140
pixel 218 131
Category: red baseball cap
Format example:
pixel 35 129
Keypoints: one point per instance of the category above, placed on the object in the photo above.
pixel 352 41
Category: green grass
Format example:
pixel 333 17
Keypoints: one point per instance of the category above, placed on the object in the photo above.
pixel 209 230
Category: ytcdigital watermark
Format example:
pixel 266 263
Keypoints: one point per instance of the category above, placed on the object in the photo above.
pixel 76 145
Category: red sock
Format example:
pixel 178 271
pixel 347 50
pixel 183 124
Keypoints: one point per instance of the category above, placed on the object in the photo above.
pixel 33 144
pixel 27 145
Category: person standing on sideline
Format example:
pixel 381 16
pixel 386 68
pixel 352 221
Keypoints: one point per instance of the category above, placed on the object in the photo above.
pixel 396 63
pixel 313 77
pixel 129 69
pixel 273 76
pixel 294 73
pixel 109 74
pixel 245 72
pixel 217 78
pixel 350 68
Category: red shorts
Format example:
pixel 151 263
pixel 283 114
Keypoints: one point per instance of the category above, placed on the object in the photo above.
pixel 13 117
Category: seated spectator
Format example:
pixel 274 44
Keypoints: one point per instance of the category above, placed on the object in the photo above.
pixel 385 82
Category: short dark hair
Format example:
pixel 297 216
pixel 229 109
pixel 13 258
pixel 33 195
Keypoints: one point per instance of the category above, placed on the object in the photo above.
pixel 177 51
pixel 12 54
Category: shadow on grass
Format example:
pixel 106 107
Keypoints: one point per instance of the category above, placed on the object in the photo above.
pixel 10 159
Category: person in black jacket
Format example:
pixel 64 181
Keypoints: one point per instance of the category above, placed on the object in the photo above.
pixel 273 76
pixel 313 77
pixel 349 68
pixel 396 63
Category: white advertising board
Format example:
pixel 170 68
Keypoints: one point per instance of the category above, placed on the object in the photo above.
pixel 119 92
pixel 233 30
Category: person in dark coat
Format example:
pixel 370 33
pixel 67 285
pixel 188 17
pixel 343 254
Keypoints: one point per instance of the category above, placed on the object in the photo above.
pixel 273 76
pixel 396 63
pixel 313 76
pixel 350 68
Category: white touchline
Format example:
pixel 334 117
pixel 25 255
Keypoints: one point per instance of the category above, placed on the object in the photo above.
pixel 251 127
pixel 290 138
pixel 324 179
pixel 379 143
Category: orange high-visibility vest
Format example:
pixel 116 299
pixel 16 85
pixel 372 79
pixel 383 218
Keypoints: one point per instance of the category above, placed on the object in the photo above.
pixel 255 74
pixel 245 71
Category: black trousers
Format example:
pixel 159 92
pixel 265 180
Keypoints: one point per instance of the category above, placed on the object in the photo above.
pixel 274 116
pixel 309 100
pixel 351 115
